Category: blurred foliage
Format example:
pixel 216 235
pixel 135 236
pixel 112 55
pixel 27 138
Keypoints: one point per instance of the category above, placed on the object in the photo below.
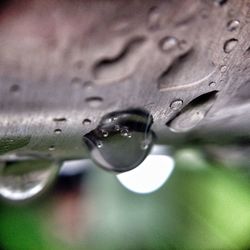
pixel 202 206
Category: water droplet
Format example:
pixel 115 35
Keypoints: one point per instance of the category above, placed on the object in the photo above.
pixel 223 68
pixel 86 121
pixel 233 25
pixel 176 104
pixel 99 144
pixel 120 151
pixel 230 45
pixel 168 43
pixel 212 84
pixel 94 102
pixel 52 148
pixel 60 119
pixel 58 131
pixel 104 133
pixel 25 177
pixel 193 113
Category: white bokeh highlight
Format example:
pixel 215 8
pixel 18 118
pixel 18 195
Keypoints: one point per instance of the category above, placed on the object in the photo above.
pixel 149 176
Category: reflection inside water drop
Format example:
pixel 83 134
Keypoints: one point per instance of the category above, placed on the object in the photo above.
pixel 168 43
pixel 22 178
pixel 116 144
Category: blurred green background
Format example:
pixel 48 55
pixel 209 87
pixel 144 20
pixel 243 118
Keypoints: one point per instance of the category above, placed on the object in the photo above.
pixel 203 205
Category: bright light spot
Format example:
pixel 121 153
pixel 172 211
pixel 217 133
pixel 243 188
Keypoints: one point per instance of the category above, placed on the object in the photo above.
pixel 75 166
pixel 149 176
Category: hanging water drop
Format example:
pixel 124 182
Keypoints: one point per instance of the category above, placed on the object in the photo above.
pixel 230 45
pixel 99 144
pixel 86 121
pixel 94 102
pixel 22 178
pixel 233 25
pixel 121 150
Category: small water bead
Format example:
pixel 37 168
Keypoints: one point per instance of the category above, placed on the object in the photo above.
pixel 223 68
pixel 59 119
pixel 233 25
pixel 94 101
pixel 168 43
pixel 125 132
pixel 99 144
pixel 57 131
pixel 176 104
pixel 212 84
pixel 230 45
pixel 86 121
pixel 120 151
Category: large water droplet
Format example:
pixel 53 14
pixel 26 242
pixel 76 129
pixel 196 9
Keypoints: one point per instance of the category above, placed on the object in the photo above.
pixel 121 150
pixel 59 119
pixel 229 45
pixel 22 178
pixel 233 25
pixel 223 68
pixel 193 113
